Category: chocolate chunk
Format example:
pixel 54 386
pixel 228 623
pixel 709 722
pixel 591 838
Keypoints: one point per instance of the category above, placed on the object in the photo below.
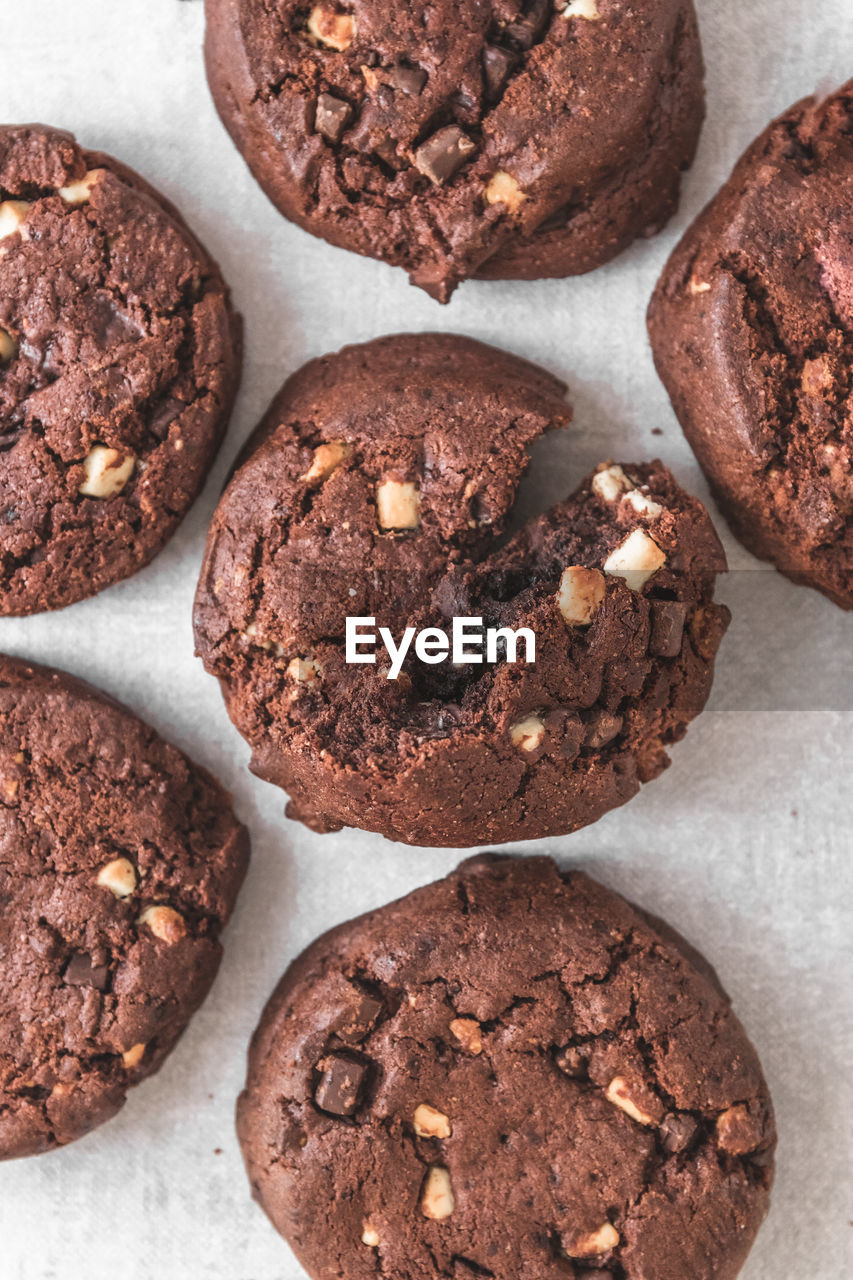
pixel 442 154
pixel 602 728
pixel 527 29
pixel 408 80
pixel 676 1132
pixel 340 1084
pixel 497 64
pixel 81 972
pixel 668 617
pixel 331 117
pixel 361 1016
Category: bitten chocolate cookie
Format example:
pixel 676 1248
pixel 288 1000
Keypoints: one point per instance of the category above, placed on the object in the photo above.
pixel 509 1073
pixel 121 861
pixel 119 361
pixel 752 330
pixel 507 138
pixel 377 487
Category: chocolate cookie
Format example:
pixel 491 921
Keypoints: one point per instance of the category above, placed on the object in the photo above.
pixel 119 362
pixel 512 139
pixel 752 330
pixel 121 862
pixel 378 486
pixel 509 1073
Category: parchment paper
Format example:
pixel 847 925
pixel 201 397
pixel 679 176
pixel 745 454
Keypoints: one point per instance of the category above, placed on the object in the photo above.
pixel 744 845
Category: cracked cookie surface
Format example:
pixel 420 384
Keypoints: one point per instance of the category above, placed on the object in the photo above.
pixel 120 862
pixel 510 138
pixel 509 1073
pixel 752 331
pixel 119 362
pixel 380 484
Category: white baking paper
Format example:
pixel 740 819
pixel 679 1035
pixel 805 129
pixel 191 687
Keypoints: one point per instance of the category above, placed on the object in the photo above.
pixel 745 844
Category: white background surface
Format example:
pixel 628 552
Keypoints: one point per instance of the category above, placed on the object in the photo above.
pixel 745 844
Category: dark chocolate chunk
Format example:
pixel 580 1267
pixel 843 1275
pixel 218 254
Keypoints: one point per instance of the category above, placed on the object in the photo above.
pixel 410 80
pixel 497 64
pixel 668 618
pixel 444 153
pixel 81 972
pixel 361 1017
pixel 331 117
pixel 602 728
pixel 677 1131
pixel 340 1084
pixel 525 31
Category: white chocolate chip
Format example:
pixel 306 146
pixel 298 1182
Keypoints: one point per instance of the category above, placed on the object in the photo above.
pixel 107 472
pixel 589 1244
pixel 13 216
pixel 581 592
pixel 697 286
pixel 165 923
pixel 467 1032
pixel 8 347
pixel 527 734
pixel 635 559
pixel 643 504
pixel 610 483
pixel 430 1123
pixel 503 188
pixel 369 1235
pixel 327 459
pixel 119 876
pixel 618 1092
pixel 582 9
pixel 79 192
pixel 132 1057
pixel 304 670
pixel 337 30
pixel 398 504
pixel 437 1200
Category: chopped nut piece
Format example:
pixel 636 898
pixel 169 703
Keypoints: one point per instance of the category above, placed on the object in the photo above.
pixel 132 1057
pixel 467 1032
pixel 636 559
pixel 119 876
pixel 337 30
pixel 618 1092
pixel 589 1244
pixel 107 472
pixel 327 458
pixel 369 1235
pixel 644 505
pixel 331 117
pixel 8 347
pixel 430 1123
pixel 817 376
pixel 698 286
pixel 610 483
pixel 503 188
pixel 79 192
pixel 441 155
pixel 527 734
pixel 581 592
pixel 437 1200
pixel 13 215
pixel 738 1132
pixel 304 670
pixel 165 923
pixel 582 9
pixel 602 728
pixel 398 504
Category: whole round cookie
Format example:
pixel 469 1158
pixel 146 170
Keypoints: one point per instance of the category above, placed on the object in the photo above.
pixel 752 331
pixel 511 1073
pixel 119 361
pixel 121 862
pixel 378 487
pixel 513 138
